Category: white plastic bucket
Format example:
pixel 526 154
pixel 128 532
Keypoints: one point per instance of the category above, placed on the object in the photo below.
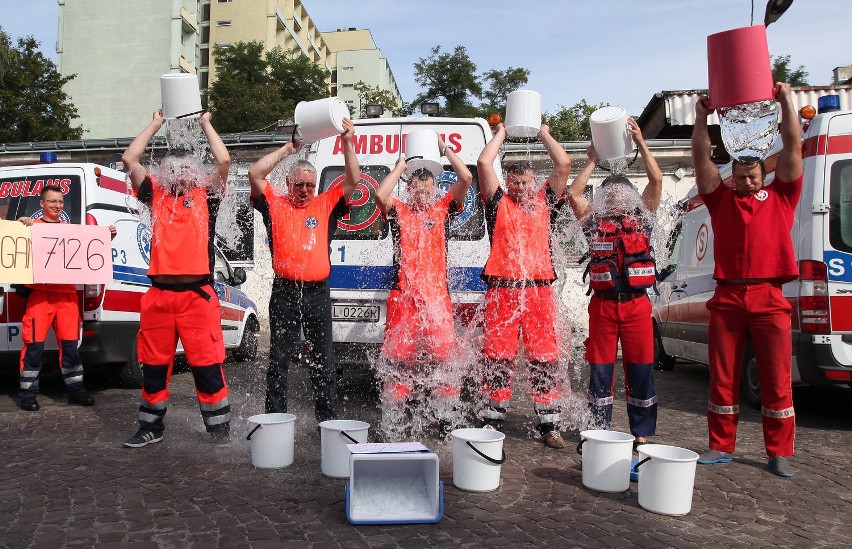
pixel 181 98
pixel 335 434
pixel 523 113
pixel 272 439
pixel 606 459
pixel 666 478
pixel 421 151
pixel 609 133
pixel 321 118
pixel 477 456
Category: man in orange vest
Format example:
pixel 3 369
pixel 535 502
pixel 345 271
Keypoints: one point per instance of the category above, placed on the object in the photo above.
pixel 51 305
pixel 419 330
pixel 520 301
pixel 181 302
pixel 621 268
pixel 299 225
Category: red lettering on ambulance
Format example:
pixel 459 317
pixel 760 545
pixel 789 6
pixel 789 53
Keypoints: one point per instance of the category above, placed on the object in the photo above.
pixel 392 144
pixel 36 188
pixel 18 187
pixel 338 146
pixel 375 144
pixel 65 185
pixel 455 142
pixel 4 189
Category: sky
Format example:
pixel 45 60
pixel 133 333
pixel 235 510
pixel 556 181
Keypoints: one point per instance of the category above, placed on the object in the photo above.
pixel 619 52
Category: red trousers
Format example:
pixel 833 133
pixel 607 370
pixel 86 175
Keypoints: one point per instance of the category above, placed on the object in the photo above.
pixel 166 316
pixel 414 327
pixel 759 313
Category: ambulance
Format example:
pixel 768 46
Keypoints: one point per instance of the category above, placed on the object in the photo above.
pixel 361 249
pixel 97 195
pixel 822 239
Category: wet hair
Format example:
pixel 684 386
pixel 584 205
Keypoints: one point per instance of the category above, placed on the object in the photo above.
pixel 301 166
pixel 422 174
pixel 520 167
pixel 619 178
pixel 49 188
pixel 749 162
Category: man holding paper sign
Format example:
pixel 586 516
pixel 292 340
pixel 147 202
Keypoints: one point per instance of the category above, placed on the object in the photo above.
pixel 182 302
pixel 51 305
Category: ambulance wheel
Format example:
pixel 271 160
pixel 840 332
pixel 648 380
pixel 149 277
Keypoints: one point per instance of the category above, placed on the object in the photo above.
pixel 248 344
pixel 131 374
pixel 750 382
pixel 662 361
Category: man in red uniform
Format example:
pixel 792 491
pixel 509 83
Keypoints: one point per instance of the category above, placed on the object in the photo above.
pixel 621 268
pixel 419 330
pixel 51 305
pixel 520 301
pixel 300 225
pixel 754 257
pixel 182 302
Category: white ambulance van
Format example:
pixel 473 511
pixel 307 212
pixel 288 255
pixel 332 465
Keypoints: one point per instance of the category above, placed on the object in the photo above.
pixel 97 195
pixel 361 249
pixel 822 239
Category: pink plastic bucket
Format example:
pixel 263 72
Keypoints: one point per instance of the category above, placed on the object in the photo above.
pixel 738 67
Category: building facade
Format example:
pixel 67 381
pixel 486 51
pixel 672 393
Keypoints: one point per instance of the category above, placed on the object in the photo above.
pixel 118 50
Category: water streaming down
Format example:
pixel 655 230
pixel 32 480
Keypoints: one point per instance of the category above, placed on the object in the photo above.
pixel 748 130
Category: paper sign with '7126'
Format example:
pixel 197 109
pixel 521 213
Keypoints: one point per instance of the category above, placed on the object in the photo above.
pixel 71 254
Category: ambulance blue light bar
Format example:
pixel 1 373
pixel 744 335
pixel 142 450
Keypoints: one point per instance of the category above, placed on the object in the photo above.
pixel 47 157
pixel 828 103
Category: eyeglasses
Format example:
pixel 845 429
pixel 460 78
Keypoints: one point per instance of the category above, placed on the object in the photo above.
pixel 51 202
pixel 303 185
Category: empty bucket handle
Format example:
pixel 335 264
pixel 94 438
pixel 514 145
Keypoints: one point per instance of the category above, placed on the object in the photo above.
pixel 636 467
pixel 489 458
pixel 580 446
pixel 414 158
pixel 252 431
pixel 202 111
pixel 345 434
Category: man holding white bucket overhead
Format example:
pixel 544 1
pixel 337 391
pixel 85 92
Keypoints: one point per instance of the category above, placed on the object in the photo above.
pixel 622 267
pixel 300 225
pixel 420 331
pixel 181 302
pixel 754 257
pixel 520 301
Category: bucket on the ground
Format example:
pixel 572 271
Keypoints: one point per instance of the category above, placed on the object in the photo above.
pixel 321 118
pixel 606 459
pixel 666 478
pixel 738 67
pixel 392 488
pixel 421 151
pixel 477 457
pixel 609 133
pixel 523 113
pixel 181 98
pixel 272 437
pixel 335 434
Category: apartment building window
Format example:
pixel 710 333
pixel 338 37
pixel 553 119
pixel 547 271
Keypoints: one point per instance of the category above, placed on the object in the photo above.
pixel 205 57
pixel 225 1
pixel 205 80
pixel 205 35
pixel 223 23
pixel 347 68
pixel 347 86
pixel 205 12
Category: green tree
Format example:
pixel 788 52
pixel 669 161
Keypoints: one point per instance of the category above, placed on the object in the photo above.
pixel 254 89
pixel 374 95
pixel 571 123
pixel 783 72
pixel 33 106
pixel 449 78
pixel 499 85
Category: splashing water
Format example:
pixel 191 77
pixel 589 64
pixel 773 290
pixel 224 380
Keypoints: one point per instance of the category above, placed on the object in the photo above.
pixel 617 166
pixel 748 130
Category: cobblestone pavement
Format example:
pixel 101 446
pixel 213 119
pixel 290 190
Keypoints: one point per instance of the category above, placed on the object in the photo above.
pixel 68 482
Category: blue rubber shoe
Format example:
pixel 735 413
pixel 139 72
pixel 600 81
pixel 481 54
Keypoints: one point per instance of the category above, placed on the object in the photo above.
pixel 778 465
pixel 715 456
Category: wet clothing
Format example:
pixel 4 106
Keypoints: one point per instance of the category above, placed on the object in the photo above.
pixel 301 299
pixel 625 316
pixel 419 330
pixel 750 244
pixel 520 304
pixel 51 305
pixel 182 244
pixel 621 267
